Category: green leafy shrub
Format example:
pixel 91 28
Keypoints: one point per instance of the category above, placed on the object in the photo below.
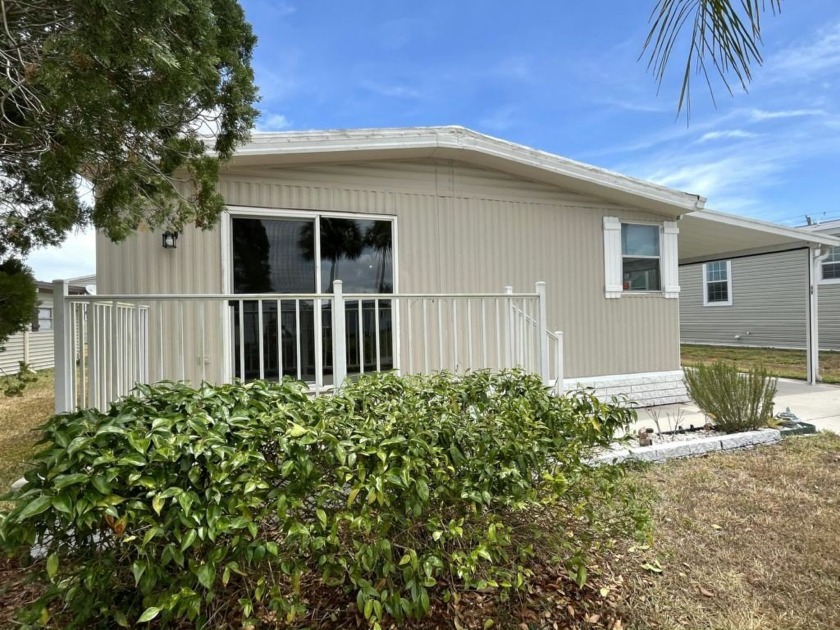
pixel 235 502
pixel 733 400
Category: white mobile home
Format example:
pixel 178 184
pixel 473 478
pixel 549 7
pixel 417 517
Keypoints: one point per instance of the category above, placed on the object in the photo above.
pixel 438 238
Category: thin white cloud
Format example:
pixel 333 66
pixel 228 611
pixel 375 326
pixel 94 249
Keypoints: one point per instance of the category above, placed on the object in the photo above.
pixel 516 67
pixel 727 134
pixel 759 115
pixel 819 55
pixel 392 91
pixel 273 122
pixel 500 120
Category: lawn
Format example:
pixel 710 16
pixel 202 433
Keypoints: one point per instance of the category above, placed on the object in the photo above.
pixel 19 418
pixel 783 363
pixel 747 541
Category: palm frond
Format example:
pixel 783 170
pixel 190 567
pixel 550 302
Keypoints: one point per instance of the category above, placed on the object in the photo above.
pixel 725 39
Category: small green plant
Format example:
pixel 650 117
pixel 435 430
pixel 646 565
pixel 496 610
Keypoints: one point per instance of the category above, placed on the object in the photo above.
pixel 734 401
pixel 15 384
pixel 234 503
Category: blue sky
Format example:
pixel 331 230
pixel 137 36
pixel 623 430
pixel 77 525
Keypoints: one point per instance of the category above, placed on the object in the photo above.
pixel 559 76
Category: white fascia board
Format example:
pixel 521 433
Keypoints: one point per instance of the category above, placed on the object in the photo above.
pixel 459 142
pixel 793 234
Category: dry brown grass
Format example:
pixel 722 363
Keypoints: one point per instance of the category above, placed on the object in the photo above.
pixel 747 541
pixel 19 418
pixel 783 363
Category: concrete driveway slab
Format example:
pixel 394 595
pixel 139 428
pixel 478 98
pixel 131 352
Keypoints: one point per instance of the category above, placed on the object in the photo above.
pixel 818 404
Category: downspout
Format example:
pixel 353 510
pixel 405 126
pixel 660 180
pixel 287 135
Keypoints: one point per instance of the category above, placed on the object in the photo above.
pixel 815 260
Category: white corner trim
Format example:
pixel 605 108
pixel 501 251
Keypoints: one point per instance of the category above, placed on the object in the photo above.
pixel 613 287
pixel 670 260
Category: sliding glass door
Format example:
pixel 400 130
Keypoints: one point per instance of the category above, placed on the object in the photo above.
pixel 294 255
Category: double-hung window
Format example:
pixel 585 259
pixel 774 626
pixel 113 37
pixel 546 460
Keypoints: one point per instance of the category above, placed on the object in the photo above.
pixel 831 265
pixel 640 253
pixel 717 290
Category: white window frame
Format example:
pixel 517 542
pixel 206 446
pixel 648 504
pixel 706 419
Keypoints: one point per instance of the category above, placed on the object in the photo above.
pixel 728 301
pixel 661 289
pixel 49 319
pixel 226 236
pixel 669 274
pixel 824 280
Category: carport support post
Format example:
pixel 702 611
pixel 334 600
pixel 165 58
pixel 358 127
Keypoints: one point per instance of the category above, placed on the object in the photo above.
pixel 815 260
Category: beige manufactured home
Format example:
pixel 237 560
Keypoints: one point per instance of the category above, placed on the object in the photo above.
pixel 415 249
pixel 762 299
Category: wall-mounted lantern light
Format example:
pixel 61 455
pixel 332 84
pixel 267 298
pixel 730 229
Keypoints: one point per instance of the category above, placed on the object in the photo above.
pixel 170 240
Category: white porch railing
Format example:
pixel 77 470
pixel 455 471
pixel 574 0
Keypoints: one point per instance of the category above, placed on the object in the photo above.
pixel 106 344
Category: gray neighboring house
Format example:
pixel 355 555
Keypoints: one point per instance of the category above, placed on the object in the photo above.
pixel 34 346
pixel 762 299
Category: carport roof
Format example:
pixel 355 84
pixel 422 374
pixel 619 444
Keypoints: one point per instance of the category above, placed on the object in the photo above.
pixel 709 235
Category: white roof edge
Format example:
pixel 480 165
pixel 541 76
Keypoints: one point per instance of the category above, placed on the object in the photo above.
pixel 827 226
pixel 460 138
pixel 797 234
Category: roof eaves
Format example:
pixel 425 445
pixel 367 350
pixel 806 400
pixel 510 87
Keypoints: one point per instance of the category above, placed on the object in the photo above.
pixel 438 141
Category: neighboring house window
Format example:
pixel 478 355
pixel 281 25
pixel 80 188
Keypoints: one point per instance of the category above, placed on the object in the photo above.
pixel 640 257
pixel 831 265
pixel 717 290
pixel 45 318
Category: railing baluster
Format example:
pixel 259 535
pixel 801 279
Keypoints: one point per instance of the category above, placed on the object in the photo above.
pixel 112 354
pixel 160 306
pixel 260 339
pixel 425 338
pixel 298 335
pixel 319 345
pixel 82 346
pixel 469 335
pixel 499 360
pixel 376 334
pixel 484 334
pixel 455 364
pixel 181 349
pixel 279 340
pixel 440 334
pixel 410 336
pixel 241 340
pixel 203 357
pixel 361 339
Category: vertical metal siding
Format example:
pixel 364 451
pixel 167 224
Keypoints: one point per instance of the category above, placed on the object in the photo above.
pixel 829 297
pixel 769 303
pixel 461 229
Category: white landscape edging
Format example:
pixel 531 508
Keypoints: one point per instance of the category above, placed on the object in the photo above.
pixel 690 448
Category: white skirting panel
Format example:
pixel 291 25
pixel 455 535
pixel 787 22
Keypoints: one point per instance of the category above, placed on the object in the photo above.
pixel 646 389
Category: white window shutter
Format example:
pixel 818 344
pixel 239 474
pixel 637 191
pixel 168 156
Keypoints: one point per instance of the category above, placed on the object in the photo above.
pixel 612 258
pixel 670 260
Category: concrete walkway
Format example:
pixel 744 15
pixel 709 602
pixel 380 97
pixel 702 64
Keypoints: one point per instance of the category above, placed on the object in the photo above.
pixel 818 404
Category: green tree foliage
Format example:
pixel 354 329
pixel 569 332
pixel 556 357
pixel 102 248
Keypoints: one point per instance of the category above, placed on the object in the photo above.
pixel 725 36
pixel 233 505
pixel 18 298
pixel 117 91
